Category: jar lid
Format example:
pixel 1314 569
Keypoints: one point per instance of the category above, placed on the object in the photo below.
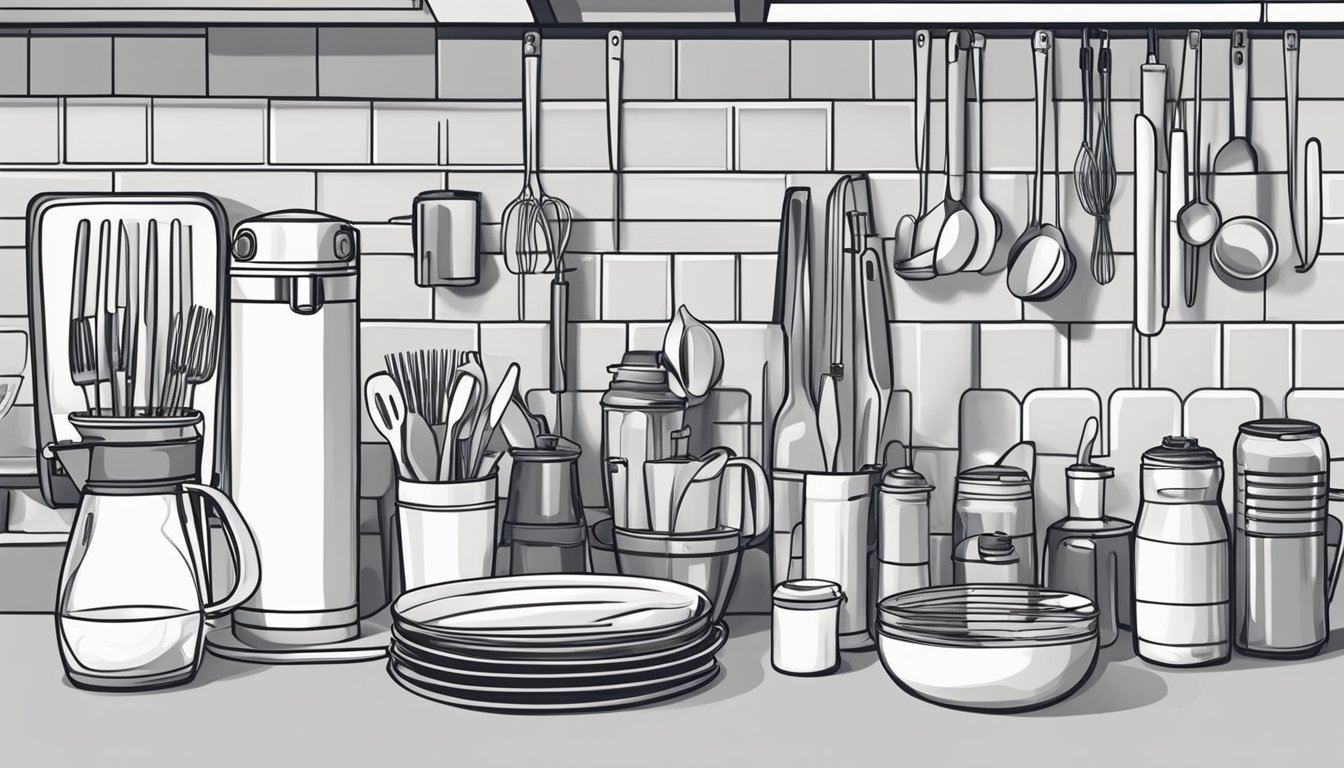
pixel 1281 429
pixel 1000 474
pixel 1180 451
pixel 1089 471
pixel 905 480
pixel 640 381
pixel 808 594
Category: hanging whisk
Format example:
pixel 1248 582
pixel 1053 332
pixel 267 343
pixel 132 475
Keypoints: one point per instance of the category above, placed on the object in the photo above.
pixel 536 226
pixel 1096 182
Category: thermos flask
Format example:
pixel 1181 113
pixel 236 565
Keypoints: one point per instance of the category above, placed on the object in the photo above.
pixel 1283 586
pixel 294 423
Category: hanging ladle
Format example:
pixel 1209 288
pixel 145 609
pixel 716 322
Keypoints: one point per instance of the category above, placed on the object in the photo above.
pixel 1040 264
pixel 957 235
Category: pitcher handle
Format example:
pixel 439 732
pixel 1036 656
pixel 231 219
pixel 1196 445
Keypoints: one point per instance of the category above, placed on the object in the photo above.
pixel 246 561
pixel 1336 494
pixel 762 511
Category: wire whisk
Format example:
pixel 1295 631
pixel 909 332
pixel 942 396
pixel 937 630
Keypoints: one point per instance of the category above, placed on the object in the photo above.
pixel 535 226
pixel 1095 180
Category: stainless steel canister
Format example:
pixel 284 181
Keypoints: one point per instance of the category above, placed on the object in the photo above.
pixel 1279 556
pixel 294 423
pixel 903 532
pixel 998 498
pixel 445 229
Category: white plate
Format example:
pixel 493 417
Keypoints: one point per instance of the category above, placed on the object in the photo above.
pixel 583 648
pixel 619 657
pixel 524 674
pixel 617 699
pixel 551 609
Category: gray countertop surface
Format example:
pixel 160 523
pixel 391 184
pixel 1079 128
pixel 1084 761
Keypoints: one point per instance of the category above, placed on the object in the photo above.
pixel 1247 712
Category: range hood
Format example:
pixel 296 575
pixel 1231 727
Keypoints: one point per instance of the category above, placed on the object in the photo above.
pixel 20 12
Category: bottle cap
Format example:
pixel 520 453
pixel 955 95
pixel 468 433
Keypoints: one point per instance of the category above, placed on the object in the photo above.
pixel 905 480
pixel 808 594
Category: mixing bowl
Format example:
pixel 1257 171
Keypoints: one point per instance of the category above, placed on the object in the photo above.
pixel 992 648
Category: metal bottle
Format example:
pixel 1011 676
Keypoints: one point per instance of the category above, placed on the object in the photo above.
pixel 1181 580
pixel 294 423
pixel 639 414
pixel 1088 553
pixel 1280 523
pixel 544 529
pixel 903 532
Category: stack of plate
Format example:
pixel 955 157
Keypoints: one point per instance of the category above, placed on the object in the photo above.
pixel 548 643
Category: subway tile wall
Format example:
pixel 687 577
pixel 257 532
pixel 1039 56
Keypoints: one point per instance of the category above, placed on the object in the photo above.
pixel 355 122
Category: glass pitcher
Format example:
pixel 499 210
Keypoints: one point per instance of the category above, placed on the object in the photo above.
pixel 131 610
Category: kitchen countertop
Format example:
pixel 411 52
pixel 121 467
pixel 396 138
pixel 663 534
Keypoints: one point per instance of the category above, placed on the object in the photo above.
pixel 1246 712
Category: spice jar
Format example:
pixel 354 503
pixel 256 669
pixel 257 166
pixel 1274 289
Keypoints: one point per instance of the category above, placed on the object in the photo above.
pixel 805 627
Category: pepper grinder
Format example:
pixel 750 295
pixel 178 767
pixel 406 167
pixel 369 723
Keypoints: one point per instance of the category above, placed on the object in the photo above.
pixel 1088 553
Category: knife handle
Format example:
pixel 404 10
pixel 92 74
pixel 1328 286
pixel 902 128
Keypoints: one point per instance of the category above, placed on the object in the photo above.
pixel 559 335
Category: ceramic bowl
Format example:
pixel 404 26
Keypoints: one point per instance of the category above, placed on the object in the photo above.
pixel 992 648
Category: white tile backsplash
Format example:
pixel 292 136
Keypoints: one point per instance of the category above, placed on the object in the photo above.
pixel 198 131
pixel 1021 357
pixel 636 287
pixel 320 133
pixel 1260 357
pixel 936 362
pixel 707 285
pixel 666 136
pixel 32 131
pixel 1187 357
pixel 705 196
pixel 783 136
pixel 573 136
pixel 1317 361
pixel 702 192
pixel 107 131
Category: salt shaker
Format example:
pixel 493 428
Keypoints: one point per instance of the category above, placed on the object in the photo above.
pixel 989 558
pixel 805 627
pixel 903 532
